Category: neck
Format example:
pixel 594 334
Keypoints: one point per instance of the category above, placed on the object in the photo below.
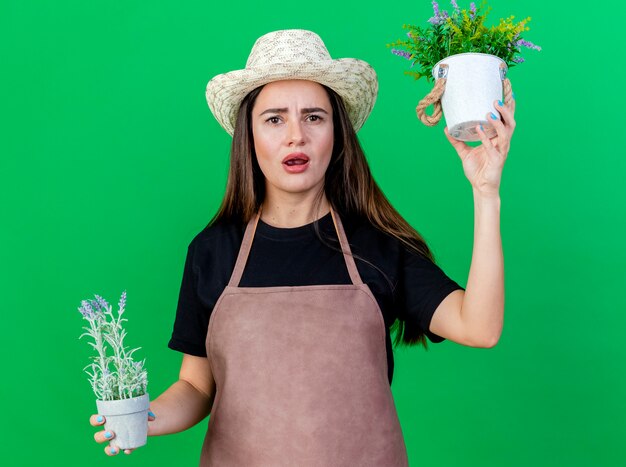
pixel 293 210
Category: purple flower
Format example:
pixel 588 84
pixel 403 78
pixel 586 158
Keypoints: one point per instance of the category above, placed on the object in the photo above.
pixel 411 36
pixel 437 18
pixel 519 60
pixel 86 310
pixel 472 10
pixel 102 303
pixel 436 8
pixel 401 53
pixel 528 44
pixel 122 303
pixel 455 6
pixel 95 305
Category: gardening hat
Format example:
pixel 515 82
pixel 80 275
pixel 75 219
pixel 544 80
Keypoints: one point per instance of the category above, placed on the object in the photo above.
pixel 294 54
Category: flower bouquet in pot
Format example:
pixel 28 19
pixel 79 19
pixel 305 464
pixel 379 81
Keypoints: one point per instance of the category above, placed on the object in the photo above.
pixel 119 383
pixel 469 63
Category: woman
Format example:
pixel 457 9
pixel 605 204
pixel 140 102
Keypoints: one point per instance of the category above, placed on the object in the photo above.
pixel 295 362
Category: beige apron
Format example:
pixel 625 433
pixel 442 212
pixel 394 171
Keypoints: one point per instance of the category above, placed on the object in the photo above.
pixel 301 375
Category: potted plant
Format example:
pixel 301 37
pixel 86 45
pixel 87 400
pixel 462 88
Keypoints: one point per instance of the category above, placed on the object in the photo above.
pixel 469 62
pixel 118 382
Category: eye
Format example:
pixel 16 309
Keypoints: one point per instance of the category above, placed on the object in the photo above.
pixel 315 118
pixel 273 120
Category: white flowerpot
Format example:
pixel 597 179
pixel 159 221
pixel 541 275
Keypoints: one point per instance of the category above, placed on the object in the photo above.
pixel 473 83
pixel 128 419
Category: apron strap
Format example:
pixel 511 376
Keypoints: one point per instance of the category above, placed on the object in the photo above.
pixel 244 251
pixel 345 248
pixel 246 245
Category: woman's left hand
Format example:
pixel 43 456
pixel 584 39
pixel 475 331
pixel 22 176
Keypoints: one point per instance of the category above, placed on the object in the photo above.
pixel 483 164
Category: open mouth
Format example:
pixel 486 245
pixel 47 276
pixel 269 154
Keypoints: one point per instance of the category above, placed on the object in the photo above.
pixel 295 159
pixel 296 162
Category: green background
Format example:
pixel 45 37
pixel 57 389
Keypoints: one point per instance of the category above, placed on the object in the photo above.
pixel 110 163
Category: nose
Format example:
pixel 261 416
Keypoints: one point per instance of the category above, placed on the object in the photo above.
pixel 295 134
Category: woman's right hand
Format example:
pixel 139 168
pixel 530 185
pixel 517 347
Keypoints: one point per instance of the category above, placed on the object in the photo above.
pixel 107 435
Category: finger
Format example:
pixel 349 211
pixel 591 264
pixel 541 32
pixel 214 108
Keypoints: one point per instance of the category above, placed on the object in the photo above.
pixel 128 451
pixel 508 114
pixel 460 146
pixel 111 450
pixel 103 436
pixel 511 102
pixel 151 416
pixel 484 139
pixel 502 134
pixel 97 420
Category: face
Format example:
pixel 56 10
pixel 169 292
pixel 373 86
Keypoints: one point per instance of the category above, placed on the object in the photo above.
pixel 292 126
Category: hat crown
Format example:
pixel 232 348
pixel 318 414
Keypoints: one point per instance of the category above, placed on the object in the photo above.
pixel 287 46
pixel 293 54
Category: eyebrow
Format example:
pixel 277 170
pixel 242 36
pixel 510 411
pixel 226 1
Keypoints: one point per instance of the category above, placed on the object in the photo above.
pixel 302 111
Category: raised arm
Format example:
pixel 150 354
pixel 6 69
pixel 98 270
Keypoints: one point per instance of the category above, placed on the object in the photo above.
pixel 475 317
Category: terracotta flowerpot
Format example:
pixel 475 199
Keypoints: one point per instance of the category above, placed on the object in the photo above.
pixel 473 83
pixel 128 419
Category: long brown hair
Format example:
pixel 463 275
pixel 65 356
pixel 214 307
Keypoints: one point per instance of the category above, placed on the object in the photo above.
pixel 349 187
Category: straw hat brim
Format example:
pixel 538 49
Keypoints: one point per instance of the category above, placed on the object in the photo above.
pixel 354 80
